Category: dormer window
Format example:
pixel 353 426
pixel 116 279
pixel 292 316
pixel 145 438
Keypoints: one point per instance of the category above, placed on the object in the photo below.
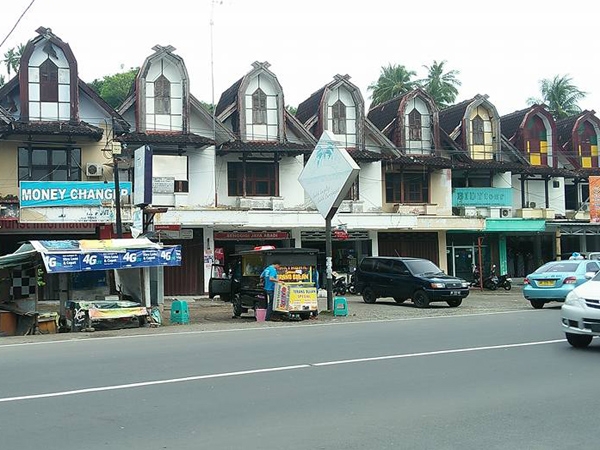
pixel 162 95
pixel 414 125
pixel 338 113
pixel 48 81
pixel 259 107
pixel 478 137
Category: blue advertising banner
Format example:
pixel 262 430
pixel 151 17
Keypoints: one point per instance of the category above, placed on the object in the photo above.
pixel 37 194
pixel 481 197
pixel 129 259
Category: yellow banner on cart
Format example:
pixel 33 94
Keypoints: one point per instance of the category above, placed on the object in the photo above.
pixel 291 297
pixel 117 313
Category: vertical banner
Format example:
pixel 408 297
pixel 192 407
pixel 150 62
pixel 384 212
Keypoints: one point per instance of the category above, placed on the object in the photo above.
pixel 594 198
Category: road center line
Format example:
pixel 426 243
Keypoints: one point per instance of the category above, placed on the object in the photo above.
pixel 268 370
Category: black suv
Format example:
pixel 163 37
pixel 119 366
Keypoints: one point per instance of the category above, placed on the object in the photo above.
pixel 403 278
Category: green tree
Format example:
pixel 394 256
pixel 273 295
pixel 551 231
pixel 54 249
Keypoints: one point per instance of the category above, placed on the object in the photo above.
pixel 393 81
pixel 11 60
pixel 209 106
pixel 291 109
pixel 114 89
pixel 560 95
pixel 2 80
pixel 441 85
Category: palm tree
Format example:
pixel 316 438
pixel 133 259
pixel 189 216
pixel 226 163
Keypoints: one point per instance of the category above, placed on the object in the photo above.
pixel 11 59
pixel 441 86
pixel 561 96
pixel 393 81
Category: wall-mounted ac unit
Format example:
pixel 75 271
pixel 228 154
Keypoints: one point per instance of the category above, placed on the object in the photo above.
pixel 584 206
pixel 94 169
pixel 505 212
pixel 531 205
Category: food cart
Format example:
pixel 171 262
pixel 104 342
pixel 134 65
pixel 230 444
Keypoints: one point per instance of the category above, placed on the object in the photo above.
pixel 295 292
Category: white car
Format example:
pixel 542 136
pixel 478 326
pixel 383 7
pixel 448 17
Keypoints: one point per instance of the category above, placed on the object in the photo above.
pixel 581 313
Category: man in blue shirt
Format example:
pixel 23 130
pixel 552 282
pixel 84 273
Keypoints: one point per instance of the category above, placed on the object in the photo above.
pixel 269 277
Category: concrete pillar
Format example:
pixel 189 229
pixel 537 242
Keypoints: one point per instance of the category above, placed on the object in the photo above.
pixel 583 243
pixel 297 237
pixel 208 248
pixel 502 255
pixel 442 251
pixel 374 236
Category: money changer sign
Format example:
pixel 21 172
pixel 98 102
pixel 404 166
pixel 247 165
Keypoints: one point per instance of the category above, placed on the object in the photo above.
pixel 39 194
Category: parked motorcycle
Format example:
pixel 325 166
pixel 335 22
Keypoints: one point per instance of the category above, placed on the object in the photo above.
pixel 504 281
pixel 352 285
pixel 492 281
pixel 339 284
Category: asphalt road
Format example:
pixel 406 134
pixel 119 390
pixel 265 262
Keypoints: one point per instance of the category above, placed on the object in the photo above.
pixel 504 380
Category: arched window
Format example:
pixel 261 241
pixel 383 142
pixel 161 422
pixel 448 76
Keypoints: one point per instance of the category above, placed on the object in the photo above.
pixel 162 95
pixel 477 123
pixel 48 82
pixel 588 145
pixel 536 141
pixel 338 116
pixel 414 125
pixel 259 107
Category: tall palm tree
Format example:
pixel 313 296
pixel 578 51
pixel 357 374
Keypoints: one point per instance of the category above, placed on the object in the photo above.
pixel 561 96
pixel 442 86
pixel 393 81
pixel 12 59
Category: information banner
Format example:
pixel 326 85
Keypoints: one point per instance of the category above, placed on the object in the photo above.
pixel 129 259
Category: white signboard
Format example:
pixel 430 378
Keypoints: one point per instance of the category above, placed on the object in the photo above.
pixel 142 173
pixel 163 185
pixel 328 174
pixel 75 214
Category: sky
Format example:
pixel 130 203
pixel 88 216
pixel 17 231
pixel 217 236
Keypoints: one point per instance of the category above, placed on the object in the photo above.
pixel 502 49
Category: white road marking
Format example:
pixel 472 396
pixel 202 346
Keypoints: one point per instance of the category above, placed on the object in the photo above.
pixel 99 338
pixel 268 370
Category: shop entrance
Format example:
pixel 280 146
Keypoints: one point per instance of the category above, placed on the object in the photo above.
pixel 461 260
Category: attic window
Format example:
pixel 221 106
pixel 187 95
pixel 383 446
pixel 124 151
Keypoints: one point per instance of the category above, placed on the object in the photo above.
pixel 477 123
pixel 48 82
pixel 259 107
pixel 414 125
pixel 338 115
pixel 162 95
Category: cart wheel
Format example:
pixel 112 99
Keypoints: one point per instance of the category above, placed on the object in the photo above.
pixel 237 306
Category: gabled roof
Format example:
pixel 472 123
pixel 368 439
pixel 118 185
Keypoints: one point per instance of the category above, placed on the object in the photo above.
pixel 228 97
pixel 310 107
pixel 451 117
pixel 510 123
pixel 67 128
pixel 385 114
pixel 174 138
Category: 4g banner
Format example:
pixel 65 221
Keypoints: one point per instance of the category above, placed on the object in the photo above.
pixel 128 259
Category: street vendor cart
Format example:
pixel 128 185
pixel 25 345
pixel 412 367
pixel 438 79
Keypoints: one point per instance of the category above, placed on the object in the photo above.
pixel 295 292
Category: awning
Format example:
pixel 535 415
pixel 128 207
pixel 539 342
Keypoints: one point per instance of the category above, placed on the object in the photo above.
pixel 24 254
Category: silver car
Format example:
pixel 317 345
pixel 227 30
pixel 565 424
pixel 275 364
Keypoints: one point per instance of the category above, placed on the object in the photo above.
pixel 581 313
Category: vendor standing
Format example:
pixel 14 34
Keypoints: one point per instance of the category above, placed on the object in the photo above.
pixel 269 277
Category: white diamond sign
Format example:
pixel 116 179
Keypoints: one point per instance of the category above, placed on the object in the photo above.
pixel 328 174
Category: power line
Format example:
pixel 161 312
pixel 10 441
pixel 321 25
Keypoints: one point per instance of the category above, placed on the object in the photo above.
pixel 17 23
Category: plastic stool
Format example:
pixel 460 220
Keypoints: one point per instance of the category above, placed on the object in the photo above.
pixel 180 312
pixel 340 306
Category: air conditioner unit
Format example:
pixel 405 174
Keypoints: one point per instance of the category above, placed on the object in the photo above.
pixel 504 212
pixel 584 206
pixel 531 205
pixel 94 169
